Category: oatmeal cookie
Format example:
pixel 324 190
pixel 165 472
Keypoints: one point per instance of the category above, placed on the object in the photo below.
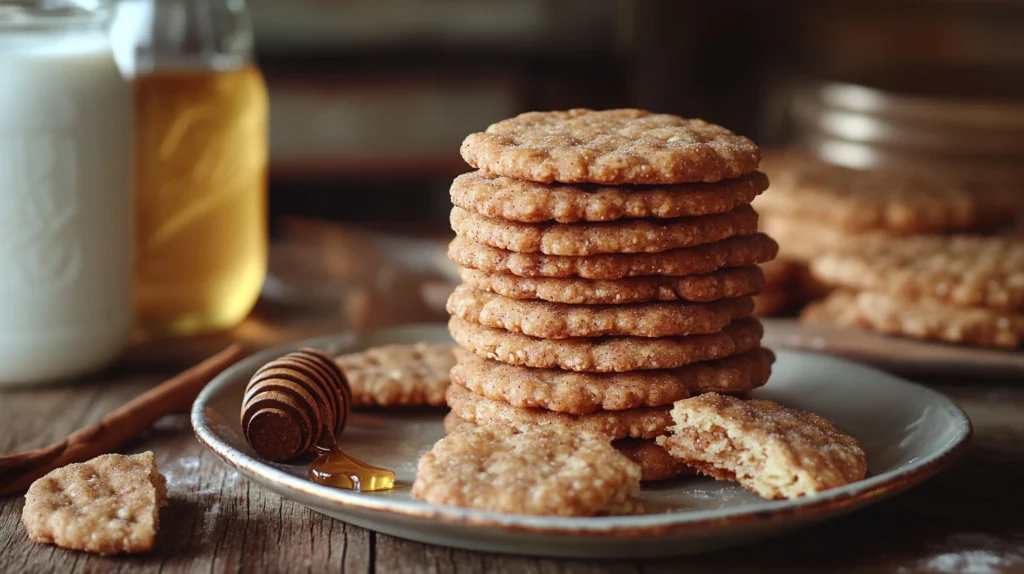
pixel 628 236
pixel 580 393
pixel 399 375
pixel 644 422
pixel 560 321
pixel 965 270
pixel 107 505
pixel 530 202
pixel 605 355
pixel 775 451
pixel 732 252
pixel 540 471
pixel 725 283
pixel 610 147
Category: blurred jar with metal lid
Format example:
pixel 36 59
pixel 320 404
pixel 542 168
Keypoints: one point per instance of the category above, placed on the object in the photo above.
pixel 65 192
pixel 201 121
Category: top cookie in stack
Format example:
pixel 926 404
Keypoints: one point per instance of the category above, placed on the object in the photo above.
pixel 608 262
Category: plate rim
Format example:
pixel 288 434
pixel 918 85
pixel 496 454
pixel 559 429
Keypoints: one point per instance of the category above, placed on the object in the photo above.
pixel 828 503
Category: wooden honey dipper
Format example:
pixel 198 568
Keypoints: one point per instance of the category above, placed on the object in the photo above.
pixel 294 404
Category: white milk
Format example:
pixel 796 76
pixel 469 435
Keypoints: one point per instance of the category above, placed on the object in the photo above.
pixel 65 202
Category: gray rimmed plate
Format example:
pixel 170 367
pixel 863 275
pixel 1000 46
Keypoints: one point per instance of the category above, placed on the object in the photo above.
pixel 910 433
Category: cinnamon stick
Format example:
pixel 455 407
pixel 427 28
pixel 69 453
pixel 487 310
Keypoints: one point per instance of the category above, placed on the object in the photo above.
pixel 18 471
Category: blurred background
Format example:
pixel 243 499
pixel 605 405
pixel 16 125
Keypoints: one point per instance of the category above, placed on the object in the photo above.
pixel 370 99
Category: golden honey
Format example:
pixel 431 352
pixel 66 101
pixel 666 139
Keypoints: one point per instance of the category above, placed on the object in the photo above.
pixel 200 198
pixel 333 467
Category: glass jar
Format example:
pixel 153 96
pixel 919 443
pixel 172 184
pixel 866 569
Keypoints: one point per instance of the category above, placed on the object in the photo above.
pixel 201 116
pixel 65 192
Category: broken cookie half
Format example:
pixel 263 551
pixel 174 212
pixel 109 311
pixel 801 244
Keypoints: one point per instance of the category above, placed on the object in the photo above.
pixel 107 505
pixel 775 451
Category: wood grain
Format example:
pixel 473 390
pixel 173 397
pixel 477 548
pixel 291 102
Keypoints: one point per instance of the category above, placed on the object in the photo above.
pixel 219 522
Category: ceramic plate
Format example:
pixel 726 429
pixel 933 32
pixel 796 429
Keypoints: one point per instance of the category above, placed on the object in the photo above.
pixel 909 432
pixel 896 354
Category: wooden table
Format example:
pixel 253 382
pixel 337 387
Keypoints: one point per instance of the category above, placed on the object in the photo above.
pixel 968 519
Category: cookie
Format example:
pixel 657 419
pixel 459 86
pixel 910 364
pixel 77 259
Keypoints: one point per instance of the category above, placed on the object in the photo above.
pixel 541 471
pixel 584 393
pixel 722 284
pixel 732 252
pixel 919 319
pixel 775 451
pixel 610 147
pixel 628 236
pixel 645 422
pixel 560 321
pixel 530 202
pixel 654 461
pixel 896 202
pixel 605 355
pixel 107 505
pixel 399 375
pixel 965 270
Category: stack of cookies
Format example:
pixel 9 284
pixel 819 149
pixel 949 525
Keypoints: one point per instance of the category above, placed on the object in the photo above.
pixel 608 261
pixel 816 208
pixel 957 289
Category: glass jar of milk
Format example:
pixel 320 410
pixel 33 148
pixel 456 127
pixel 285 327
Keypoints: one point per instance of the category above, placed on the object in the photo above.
pixel 65 192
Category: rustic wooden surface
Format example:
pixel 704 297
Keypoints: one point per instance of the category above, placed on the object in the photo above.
pixel 968 519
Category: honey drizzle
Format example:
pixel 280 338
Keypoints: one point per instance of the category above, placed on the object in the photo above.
pixel 334 467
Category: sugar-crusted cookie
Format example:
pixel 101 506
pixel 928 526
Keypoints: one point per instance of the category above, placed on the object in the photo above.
pixel 919 318
pixel 896 202
pixel 625 236
pixel 541 471
pixel 775 451
pixel 644 422
pixel 560 321
pixel 530 202
pixel 654 461
pixel 399 375
pixel 731 252
pixel 963 270
pixel 610 147
pixel 605 355
pixel 722 284
pixel 581 393
pixel 107 505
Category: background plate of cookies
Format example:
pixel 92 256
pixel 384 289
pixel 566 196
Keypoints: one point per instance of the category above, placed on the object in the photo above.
pixel 907 432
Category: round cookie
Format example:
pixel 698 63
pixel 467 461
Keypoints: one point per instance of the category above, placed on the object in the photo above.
pixel 919 319
pixel 581 393
pixel 511 199
pixel 646 422
pixel 896 202
pixel 721 284
pixel 610 147
pixel 775 451
pixel 499 470
pixel 560 321
pixel 962 270
pixel 732 252
pixel 399 375
pixel 628 236
pixel 801 240
pixel 654 461
pixel 605 355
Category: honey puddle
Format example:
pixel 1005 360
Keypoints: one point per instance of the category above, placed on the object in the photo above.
pixel 334 467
